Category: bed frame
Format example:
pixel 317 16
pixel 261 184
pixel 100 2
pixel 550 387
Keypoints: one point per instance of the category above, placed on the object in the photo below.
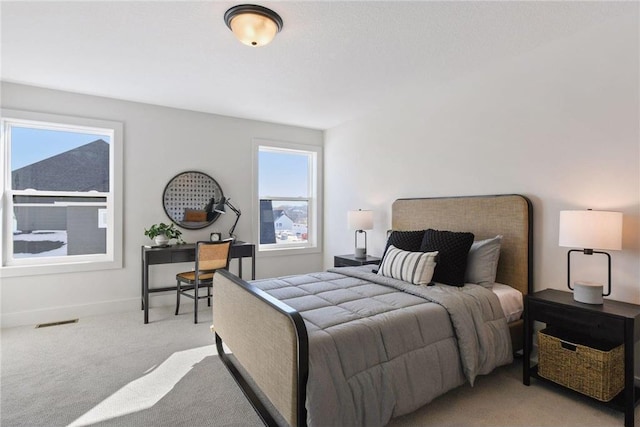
pixel 269 339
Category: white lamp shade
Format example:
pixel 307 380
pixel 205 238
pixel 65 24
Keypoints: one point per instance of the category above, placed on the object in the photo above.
pixel 253 29
pixel 588 229
pixel 360 220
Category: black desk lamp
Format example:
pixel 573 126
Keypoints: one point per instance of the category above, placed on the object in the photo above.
pixel 220 208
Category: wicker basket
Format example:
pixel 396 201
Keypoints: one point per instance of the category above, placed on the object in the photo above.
pixel 596 372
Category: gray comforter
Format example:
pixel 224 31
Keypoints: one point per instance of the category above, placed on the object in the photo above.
pixel 376 353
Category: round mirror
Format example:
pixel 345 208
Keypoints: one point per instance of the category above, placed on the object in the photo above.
pixel 189 199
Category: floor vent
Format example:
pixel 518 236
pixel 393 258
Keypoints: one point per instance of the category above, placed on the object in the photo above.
pixel 61 322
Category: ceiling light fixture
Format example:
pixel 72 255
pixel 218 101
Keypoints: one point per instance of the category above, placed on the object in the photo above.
pixel 253 25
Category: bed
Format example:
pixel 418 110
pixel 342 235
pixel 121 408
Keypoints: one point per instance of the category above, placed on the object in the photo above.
pixel 349 347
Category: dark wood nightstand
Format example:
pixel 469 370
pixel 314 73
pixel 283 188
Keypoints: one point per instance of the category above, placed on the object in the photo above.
pixel 612 321
pixel 351 260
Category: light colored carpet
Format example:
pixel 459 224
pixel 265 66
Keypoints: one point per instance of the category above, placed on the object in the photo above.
pixel 115 371
pixel 500 399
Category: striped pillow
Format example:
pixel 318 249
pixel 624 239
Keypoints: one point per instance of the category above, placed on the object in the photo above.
pixel 412 267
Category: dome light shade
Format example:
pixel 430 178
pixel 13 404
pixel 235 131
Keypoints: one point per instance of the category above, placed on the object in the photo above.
pixel 253 25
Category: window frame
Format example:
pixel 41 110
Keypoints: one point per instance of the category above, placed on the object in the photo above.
pixel 314 207
pixel 12 267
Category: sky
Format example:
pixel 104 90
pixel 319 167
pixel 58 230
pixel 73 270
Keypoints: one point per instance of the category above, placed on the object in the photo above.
pixel 283 174
pixel 30 145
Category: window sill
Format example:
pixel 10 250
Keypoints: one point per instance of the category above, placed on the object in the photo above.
pixel 72 267
pixel 288 251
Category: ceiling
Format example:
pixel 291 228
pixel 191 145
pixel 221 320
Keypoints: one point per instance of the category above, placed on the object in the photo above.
pixel 331 63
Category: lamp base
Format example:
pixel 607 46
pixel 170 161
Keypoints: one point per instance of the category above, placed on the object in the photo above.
pixel 361 253
pixel 588 293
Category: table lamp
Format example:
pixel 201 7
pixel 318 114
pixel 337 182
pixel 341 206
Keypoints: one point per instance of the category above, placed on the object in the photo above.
pixel 360 220
pixel 220 208
pixel 589 230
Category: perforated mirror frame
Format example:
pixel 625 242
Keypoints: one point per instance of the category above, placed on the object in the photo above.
pixel 173 201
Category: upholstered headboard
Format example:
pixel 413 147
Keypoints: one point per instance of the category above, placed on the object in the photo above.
pixel 485 217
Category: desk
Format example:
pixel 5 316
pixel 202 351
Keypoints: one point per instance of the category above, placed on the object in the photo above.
pixel 185 253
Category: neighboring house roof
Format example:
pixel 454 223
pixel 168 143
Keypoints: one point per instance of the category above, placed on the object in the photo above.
pixel 283 215
pixel 84 168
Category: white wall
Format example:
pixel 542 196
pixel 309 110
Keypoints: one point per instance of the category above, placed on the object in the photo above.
pixel 159 142
pixel 559 125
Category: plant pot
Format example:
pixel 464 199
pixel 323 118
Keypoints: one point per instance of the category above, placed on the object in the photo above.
pixel 161 240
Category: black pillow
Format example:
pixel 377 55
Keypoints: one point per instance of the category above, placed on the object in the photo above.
pixel 406 240
pixel 453 248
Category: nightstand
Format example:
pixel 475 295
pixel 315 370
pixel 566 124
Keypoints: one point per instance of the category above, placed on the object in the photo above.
pixel 351 260
pixel 613 321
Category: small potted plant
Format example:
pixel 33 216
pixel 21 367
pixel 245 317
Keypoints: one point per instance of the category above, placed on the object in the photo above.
pixel 162 233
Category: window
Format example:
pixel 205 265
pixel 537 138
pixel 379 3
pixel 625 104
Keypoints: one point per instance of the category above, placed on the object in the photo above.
pixel 61 204
pixel 288 177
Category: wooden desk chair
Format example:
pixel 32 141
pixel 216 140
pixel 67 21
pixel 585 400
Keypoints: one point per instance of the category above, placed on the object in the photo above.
pixel 210 256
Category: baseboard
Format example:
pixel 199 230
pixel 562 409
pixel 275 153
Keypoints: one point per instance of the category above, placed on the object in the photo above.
pixel 55 314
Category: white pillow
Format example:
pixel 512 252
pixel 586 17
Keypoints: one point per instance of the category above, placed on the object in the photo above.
pixel 510 301
pixel 482 261
pixel 412 267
